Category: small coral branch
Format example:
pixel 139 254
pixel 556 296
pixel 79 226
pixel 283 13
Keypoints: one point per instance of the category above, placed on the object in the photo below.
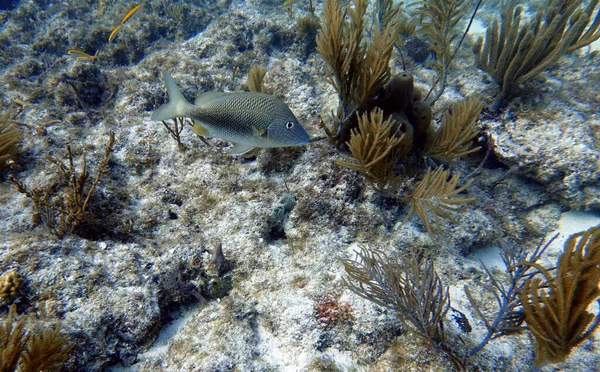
pixel 256 77
pixel 12 340
pixel 374 147
pixel 440 18
pixel 46 349
pixel 9 139
pixel 30 350
pixel 508 318
pixel 175 131
pixel 436 195
pixel 62 208
pixel 454 139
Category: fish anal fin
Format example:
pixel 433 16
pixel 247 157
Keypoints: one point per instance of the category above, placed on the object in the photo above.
pixel 240 149
pixel 252 153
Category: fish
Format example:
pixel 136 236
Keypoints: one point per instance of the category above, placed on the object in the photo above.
pixel 83 55
pixel 130 13
pixel 288 2
pixel 114 31
pixel 248 119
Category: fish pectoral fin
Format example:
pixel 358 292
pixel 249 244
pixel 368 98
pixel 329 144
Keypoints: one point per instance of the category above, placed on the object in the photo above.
pixel 240 149
pixel 260 132
pixel 199 129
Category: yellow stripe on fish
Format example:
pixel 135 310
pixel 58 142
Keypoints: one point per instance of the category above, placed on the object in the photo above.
pixel 248 119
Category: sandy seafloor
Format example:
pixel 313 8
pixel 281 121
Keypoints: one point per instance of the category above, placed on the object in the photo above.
pixel 134 287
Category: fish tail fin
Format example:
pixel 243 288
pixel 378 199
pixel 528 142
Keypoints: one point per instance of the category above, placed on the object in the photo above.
pixel 177 106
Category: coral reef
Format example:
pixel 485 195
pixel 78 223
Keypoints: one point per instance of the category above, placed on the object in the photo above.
pixel 361 76
pixel 194 260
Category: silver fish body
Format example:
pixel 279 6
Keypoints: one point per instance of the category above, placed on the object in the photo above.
pixel 248 120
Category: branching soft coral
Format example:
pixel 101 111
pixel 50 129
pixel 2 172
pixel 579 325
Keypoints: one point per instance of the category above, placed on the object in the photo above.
pixel 374 147
pixel 435 196
pixel 515 51
pixel 556 307
pixel 9 138
pixel 454 138
pixel 356 69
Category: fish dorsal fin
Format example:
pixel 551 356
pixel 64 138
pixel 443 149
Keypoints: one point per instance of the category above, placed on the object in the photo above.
pixel 199 129
pixel 240 149
pixel 206 97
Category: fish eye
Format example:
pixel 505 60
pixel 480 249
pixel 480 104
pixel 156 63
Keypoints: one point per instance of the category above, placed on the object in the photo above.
pixel 289 124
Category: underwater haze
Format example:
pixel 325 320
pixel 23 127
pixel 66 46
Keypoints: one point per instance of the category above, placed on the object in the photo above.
pixel 308 185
